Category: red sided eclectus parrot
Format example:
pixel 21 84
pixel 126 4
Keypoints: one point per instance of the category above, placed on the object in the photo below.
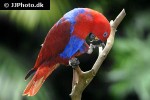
pixel 65 41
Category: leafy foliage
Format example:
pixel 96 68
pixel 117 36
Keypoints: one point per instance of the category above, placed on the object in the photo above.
pixel 31 19
pixel 131 55
pixel 12 82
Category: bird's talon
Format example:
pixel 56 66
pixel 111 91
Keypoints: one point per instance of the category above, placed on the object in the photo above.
pixel 103 45
pixel 74 62
pixel 91 48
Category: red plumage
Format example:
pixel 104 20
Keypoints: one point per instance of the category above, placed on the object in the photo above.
pixel 48 57
pixel 54 43
pixel 66 36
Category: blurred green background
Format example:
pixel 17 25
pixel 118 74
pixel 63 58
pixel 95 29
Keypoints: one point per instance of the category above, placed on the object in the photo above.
pixel 124 75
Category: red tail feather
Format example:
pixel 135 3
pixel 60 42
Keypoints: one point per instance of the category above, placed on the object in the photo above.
pixel 38 79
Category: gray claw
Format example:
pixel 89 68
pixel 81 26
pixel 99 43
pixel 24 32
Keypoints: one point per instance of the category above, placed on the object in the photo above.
pixel 103 45
pixel 74 62
pixel 91 48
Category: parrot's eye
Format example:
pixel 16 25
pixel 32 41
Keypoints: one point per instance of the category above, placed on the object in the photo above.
pixel 105 34
pixel 91 36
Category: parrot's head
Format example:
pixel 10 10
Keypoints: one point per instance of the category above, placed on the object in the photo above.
pixel 101 27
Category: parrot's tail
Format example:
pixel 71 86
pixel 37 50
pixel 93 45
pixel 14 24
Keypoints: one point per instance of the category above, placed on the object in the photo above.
pixel 38 79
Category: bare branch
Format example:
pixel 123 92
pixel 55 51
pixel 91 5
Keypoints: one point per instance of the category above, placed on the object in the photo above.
pixel 75 78
pixel 103 53
pixel 118 19
pixel 82 79
pixel 76 74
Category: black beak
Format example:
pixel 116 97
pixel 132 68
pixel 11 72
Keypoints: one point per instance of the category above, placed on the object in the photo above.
pixel 98 43
pixel 95 41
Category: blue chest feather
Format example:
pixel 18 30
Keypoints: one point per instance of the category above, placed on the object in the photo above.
pixel 72 47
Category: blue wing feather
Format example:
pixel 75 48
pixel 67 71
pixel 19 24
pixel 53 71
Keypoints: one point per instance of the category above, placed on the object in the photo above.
pixel 72 47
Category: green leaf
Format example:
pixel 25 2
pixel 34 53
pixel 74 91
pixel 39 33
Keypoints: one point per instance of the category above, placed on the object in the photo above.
pixel 12 84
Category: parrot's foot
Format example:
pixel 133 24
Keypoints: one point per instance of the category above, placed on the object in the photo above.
pixel 94 42
pixel 103 45
pixel 74 62
pixel 91 48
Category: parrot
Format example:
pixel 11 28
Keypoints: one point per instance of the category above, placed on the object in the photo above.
pixel 65 41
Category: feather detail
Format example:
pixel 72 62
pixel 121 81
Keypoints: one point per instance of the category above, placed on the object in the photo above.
pixel 55 42
pixel 38 79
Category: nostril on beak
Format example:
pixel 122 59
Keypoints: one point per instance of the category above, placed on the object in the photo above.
pixel 96 38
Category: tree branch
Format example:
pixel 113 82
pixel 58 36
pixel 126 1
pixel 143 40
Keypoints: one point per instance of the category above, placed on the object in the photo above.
pixel 82 79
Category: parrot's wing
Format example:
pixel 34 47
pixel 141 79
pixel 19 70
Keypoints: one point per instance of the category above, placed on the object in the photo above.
pixel 75 46
pixel 55 42
pixel 83 49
